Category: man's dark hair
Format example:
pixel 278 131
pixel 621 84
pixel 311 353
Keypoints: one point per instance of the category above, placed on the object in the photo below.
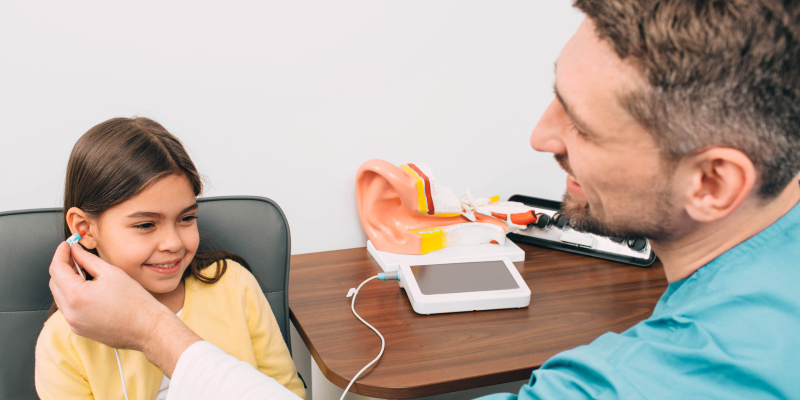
pixel 718 73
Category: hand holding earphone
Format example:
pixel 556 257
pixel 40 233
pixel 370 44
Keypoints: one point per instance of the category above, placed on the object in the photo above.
pixel 72 240
pixel 112 308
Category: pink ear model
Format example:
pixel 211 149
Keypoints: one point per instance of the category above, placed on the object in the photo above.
pixel 404 210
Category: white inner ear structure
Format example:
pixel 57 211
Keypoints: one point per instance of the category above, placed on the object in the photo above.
pixel 405 210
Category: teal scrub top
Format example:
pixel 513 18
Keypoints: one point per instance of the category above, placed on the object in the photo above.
pixel 729 331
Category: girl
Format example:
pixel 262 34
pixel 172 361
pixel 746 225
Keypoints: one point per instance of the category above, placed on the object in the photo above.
pixel 132 187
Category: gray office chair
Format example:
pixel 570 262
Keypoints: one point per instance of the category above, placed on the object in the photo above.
pixel 252 227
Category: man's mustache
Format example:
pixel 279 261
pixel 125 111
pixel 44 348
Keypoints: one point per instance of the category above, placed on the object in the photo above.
pixel 563 161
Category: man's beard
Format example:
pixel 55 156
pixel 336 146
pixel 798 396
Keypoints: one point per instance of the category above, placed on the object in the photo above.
pixel 650 218
pixel 649 222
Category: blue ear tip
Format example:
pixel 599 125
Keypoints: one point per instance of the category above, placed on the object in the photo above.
pixel 73 239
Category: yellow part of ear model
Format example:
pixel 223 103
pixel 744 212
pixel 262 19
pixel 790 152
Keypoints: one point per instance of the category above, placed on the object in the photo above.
pixel 431 239
pixel 422 196
pixel 420 183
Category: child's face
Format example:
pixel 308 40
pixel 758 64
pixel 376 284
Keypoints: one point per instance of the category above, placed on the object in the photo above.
pixel 153 236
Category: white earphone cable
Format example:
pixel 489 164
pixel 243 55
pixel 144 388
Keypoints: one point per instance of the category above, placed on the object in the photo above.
pixel 72 240
pixel 121 375
pixel 383 342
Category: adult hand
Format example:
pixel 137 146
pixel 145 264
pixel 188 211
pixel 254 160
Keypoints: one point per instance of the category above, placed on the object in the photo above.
pixel 115 310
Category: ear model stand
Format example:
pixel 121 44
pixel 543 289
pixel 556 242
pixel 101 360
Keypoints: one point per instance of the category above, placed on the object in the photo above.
pixel 383 276
pixel 552 230
pixel 71 241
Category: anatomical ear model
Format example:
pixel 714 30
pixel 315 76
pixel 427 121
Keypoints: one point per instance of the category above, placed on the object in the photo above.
pixel 405 210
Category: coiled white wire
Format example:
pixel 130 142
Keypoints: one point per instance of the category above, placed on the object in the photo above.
pixel 383 342
pixel 121 375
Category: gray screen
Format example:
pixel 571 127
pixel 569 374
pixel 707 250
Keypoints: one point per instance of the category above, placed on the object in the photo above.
pixel 463 277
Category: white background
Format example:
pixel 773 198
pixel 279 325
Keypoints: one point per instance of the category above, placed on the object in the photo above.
pixel 286 99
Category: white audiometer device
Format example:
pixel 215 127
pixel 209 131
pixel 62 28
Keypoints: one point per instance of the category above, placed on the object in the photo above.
pixel 452 285
pixel 459 285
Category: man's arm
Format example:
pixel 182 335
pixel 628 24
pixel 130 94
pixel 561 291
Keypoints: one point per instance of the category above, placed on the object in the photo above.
pixel 115 310
pixel 206 372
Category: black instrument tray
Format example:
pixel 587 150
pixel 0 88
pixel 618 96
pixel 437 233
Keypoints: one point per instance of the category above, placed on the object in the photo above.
pixel 612 251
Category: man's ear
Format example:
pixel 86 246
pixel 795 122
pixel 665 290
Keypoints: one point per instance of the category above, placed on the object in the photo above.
pixel 720 179
pixel 77 220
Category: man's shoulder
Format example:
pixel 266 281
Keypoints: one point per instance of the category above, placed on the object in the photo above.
pixel 681 358
pixel 765 264
pixel 716 339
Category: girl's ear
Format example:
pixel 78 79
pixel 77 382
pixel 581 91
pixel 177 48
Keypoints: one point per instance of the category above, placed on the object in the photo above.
pixel 77 220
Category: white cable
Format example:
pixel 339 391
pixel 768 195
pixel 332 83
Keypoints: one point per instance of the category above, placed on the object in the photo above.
pixel 121 376
pixel 383 342
pixel 79 270
pixel 72 240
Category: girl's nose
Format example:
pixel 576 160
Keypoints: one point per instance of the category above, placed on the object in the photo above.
pixel 170 241
pixel 549 131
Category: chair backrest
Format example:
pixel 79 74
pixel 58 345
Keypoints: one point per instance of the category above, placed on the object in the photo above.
pixel 252 227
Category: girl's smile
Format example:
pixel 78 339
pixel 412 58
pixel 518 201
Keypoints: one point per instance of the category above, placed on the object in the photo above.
pixel 165 268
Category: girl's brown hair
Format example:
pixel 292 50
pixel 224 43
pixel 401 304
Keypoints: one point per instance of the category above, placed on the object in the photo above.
pixel 118 159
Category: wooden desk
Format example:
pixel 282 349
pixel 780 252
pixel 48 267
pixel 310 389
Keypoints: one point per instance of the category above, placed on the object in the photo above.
pixel 574 299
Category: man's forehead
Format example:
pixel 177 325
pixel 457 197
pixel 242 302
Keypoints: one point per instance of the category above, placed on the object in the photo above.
pixel 587 53
pixel 590 76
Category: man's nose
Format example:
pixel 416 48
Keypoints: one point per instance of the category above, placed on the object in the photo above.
pixel 548 135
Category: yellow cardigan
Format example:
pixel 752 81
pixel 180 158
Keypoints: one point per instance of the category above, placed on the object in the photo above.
pixel 232 314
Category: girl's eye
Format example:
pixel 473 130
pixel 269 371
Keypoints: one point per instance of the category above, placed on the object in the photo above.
pixel 189 218
pixel 144 226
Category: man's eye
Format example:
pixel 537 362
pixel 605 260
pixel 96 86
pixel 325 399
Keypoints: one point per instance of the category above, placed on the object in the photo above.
pixel 578 131
pixel 144 226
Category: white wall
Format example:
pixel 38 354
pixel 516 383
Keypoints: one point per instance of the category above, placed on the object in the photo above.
pixel 285 99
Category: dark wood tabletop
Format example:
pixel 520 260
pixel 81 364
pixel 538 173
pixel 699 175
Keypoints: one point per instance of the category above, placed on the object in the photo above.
pixel 574 299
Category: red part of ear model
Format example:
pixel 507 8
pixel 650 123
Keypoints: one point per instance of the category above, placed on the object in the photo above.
pixel 82 233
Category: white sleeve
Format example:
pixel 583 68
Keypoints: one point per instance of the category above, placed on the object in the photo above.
pixel 206 372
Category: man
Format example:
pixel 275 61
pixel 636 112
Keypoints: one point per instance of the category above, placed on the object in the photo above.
pixel 680 121
pixel 676 120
